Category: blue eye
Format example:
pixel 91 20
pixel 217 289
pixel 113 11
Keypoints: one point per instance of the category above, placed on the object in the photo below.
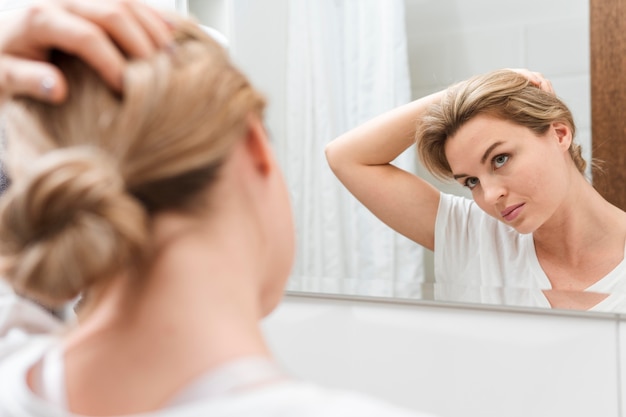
pixel 500 160
pixel 471 182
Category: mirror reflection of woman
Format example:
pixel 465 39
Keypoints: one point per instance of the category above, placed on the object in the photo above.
pixel 158 200
pixel 535 221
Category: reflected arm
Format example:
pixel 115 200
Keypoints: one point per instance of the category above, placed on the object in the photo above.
pixel 361 160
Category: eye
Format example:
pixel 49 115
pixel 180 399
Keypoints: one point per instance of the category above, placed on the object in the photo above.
pixel 499 160
pixel 471 182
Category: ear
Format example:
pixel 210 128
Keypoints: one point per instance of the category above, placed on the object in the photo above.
pixel 258 146
pixel 563 134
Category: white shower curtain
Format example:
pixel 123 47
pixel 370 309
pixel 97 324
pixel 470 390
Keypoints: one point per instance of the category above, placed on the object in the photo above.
pixel 346 62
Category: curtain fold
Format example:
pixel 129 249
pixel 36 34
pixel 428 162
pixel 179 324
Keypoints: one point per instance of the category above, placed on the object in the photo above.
pixel 346 63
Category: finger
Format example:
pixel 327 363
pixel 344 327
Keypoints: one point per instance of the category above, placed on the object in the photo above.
pixel 154 24
pixel 131 25
pixel 535 78
pixel 119 23
pixel 543 83
pixel 546 85
pixel 538 78
pixel 74 35
pixel 31 78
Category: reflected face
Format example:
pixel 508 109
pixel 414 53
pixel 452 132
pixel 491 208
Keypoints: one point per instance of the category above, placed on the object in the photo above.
pixel 515 175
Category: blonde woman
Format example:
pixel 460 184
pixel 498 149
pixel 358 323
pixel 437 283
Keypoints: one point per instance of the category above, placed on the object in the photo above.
pixel 535 221
pixel 158 200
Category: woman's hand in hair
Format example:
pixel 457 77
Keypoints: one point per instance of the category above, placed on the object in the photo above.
pixel 536 78
pixel 102 33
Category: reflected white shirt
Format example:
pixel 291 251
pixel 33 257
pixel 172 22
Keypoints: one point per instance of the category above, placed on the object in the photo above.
pixel 480 259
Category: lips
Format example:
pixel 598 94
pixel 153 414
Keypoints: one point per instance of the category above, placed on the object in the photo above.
pixel 511 212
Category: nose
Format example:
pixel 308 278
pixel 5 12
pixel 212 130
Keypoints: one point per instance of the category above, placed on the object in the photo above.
pixel 493 190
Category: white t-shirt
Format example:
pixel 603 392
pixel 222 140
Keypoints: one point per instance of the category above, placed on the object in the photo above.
pixel 230 392
pixel 480 259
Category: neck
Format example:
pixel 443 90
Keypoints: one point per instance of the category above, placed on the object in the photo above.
pixel 197 308
pixel 584 222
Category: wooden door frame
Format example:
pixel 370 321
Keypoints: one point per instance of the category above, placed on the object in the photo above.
pixel 608 97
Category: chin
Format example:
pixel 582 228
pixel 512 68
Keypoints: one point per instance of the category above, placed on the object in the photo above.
pixel 524 229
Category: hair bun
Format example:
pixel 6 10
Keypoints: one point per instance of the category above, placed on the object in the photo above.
pixel 68 224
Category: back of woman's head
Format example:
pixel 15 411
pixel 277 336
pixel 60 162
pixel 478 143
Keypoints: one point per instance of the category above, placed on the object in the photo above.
pixel 88 175
pixel 504 94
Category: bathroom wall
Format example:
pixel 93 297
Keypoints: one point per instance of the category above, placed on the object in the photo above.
pixel 456 361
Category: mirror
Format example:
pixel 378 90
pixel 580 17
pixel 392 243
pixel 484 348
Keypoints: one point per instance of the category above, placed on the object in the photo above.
pixel 328 66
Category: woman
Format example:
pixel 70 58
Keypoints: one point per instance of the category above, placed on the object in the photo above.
pixel 158 201
pixel 534 222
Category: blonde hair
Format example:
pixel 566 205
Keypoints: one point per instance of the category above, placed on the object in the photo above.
pixel 504 94
pixel 88 175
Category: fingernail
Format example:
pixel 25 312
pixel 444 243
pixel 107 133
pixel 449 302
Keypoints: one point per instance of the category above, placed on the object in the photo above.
pixel 46 86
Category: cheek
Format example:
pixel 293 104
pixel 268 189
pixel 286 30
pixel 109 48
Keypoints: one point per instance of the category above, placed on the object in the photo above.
pixel 545 177
pixel 532 183
pixel 543 184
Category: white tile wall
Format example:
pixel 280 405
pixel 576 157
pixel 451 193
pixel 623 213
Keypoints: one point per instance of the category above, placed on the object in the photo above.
pixel 559 47
pixel 453 361
pixel 434 16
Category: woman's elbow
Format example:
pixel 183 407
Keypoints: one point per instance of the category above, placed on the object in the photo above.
pixel 330 150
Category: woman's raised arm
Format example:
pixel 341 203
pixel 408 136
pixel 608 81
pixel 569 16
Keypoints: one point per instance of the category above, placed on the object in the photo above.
pixel 361 159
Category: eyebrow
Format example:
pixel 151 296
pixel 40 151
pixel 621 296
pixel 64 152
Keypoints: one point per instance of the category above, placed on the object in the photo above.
pixel 488 151
pixel 483 159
